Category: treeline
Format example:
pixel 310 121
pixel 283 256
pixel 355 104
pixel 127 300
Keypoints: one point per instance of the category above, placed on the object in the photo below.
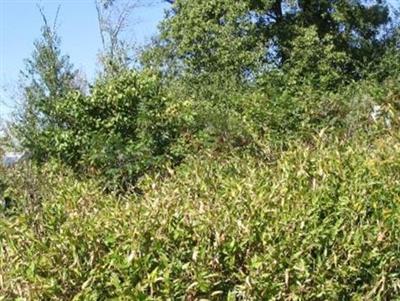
pixel 231 72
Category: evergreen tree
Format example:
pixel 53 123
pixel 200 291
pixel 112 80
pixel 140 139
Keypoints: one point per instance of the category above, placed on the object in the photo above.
pixel 47 77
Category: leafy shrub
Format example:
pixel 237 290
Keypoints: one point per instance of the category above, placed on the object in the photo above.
pixel 119 131
pixel 284 114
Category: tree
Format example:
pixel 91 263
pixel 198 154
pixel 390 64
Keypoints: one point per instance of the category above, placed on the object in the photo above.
pixel 203 37
pixel 48 76
pixel 244 37
pixel 113 21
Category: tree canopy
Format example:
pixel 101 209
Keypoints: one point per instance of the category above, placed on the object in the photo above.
pixel 239 37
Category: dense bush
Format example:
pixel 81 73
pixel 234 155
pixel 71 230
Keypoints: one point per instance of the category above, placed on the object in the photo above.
pixel 119 131
pixel 314 222
pixel 316 219
pixel 252 156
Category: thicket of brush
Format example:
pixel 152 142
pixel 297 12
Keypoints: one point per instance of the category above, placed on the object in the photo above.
pixel 220 170
pixel 313 218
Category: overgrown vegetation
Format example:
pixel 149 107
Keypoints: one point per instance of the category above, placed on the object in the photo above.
pixel 253 155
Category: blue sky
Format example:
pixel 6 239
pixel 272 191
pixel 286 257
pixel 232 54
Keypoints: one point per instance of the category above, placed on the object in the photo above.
pixel 20 23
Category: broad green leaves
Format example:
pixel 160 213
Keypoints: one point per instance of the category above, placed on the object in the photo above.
pixel 118 131
pixel 243 39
